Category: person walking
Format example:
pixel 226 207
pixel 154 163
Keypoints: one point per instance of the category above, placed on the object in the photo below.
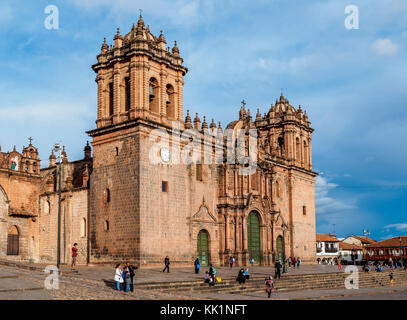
pixel 231 262
pixel 212 274
pixel 295 262
pixel 74 256
pixel 277 267
pixel 118 276
pixel 197 265
pixel 289 262
pixel 298 263
pixel 132 273
pixel 269 286
pixel 166 264
pixel 391 275
pixel 339 264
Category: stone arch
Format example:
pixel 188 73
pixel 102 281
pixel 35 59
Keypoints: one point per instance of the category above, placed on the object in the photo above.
pixel 153 94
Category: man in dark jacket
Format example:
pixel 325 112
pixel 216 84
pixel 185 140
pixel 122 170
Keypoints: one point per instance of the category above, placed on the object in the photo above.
pixel 131 270
pixel 277 266
pixel 167 264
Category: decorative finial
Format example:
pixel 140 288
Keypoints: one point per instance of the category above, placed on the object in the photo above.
pixel 243 104
pixel 141 13
pixel 30 139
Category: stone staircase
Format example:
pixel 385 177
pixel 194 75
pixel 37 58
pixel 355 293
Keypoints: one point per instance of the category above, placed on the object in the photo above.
pixel 285 283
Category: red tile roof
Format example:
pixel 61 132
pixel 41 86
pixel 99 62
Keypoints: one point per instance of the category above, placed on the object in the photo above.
pixel 348 246
pixel 392 242
pixel 326 238
pixel 363 239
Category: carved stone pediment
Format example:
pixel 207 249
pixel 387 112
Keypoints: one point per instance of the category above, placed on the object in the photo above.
pixel 203 215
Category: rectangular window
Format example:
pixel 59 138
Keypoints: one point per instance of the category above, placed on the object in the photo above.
pixel 164 186
pixel 199 172
pixel 304 210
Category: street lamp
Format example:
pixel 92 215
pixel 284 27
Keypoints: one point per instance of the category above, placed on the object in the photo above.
pixel 366 233
pixel 58 150
pixel 284 227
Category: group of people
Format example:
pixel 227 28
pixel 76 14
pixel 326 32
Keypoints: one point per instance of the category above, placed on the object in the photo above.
pixel 210 276
pixel 124 277
pixel 295 262
pixel 243 275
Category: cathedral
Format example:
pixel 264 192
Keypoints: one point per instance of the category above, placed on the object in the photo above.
pixel 118 205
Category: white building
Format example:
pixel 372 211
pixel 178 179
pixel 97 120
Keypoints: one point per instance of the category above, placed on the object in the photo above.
pixel 327 248
pixel 350 253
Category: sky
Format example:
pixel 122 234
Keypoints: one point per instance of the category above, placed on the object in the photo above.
pixel 351 82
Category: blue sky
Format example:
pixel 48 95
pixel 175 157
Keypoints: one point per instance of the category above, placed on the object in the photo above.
pixel 351 82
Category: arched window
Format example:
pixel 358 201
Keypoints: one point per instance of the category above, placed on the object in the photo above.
pixel 281 146
pixel 83 228
pixel 153 95
pixel 305 154
pixel 13 241
pixel 127 94
pixel 298 149
pixel 111 100
pixel 170 101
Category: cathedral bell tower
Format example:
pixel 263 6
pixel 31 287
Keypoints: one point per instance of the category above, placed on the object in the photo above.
pixel 138 77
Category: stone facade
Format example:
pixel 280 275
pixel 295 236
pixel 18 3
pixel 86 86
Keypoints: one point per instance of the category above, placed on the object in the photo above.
pixel 133 200
pixel 140 90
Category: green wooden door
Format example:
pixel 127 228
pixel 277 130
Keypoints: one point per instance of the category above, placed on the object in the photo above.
pixel 280 248
pixel 253 236
pixel 203 248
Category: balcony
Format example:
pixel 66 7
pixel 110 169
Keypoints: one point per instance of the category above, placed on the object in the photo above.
pixel 331 250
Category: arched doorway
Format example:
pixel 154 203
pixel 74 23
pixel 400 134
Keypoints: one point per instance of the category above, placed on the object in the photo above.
pixel 203 248
pixel 279 247
pixel 253 236
pixel 13 242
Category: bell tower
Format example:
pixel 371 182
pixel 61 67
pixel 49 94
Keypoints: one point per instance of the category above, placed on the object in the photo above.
pixel 138 77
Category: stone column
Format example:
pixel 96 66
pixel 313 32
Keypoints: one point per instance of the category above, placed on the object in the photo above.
pixel 133 90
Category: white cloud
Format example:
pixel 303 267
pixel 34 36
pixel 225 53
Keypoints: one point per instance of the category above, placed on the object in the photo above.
pixel 325 204
pixel 385 47
pixel 397 226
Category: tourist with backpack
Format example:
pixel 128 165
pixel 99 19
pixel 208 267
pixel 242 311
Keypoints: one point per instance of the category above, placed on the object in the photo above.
pixel 269 286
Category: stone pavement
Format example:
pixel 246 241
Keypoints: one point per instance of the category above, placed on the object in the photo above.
pixel 95 282
pixel 152 275
pixel 12 287
pixel 319 294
